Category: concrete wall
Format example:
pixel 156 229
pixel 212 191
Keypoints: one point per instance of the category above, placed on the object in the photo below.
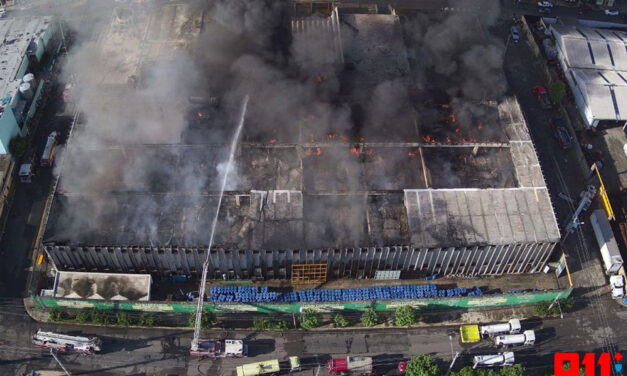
pixel 342 263
pixel 23 68
pixel 8 129
pixel 273 308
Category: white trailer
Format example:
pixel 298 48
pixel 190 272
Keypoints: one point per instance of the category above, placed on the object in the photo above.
pixel 528 337
pixel 494 360
pixel 511 327
pixel 610 254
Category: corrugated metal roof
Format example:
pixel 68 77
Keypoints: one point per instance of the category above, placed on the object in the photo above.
pixel 597 58
pixel 456 217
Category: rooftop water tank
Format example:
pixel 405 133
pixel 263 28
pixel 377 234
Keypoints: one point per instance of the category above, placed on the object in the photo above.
pixel 28 78
pixel 26 90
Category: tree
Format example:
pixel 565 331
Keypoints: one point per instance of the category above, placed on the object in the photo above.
pixel 469 371
pixel 309 320
pixel 261 324
pixel 422 365
pixel 281 325
pixel 340 321
pixel 557 91
pixel 18 146
pixel 146 320
pixel 370 317
pixel 541 309
pixel 516 370
pixel 123 319
pixel 83 316
pixel 55 314
pixel 405 315
pixel 207 320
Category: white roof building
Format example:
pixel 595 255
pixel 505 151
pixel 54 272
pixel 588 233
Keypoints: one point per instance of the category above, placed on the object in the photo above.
pixel 595 64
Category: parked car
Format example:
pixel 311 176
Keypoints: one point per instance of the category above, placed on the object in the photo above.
pixel 515 34
pixel 543 97
pixel 545 4
pixel 611 12
pixel 561 133
pixel 618 286
pixel 543 10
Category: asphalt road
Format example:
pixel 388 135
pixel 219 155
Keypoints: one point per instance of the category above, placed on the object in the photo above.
pixel 164 352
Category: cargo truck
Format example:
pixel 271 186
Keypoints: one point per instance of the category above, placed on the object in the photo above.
pixel 351 365
pixel 528 337
pixel 495 360
pixel 220 348
pixel 510 327
pixel 268 367
pixel 612 260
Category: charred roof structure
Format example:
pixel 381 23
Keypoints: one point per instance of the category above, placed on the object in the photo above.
pixel 363 180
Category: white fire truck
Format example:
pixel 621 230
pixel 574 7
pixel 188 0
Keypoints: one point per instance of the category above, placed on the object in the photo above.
pixel 64 343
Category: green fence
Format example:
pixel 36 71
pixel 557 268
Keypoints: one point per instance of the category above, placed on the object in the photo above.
pixel 270 308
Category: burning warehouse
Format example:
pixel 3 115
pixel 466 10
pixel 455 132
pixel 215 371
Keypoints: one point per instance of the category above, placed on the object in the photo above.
pixel 343 160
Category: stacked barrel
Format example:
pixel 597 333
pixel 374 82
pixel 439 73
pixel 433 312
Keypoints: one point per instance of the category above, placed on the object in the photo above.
pixel 246 294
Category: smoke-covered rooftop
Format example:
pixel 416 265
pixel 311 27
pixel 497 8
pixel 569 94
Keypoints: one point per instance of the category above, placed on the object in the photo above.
pixel 332 154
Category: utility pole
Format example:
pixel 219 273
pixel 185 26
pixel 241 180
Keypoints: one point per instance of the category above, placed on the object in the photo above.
pixel 450 367
pixel 54 355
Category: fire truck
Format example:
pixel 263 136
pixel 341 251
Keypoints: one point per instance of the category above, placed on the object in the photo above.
pixel 351 365
pixel 220 348
pixel 64 343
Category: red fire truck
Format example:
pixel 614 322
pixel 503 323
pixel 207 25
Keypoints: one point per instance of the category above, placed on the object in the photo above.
pixel 64 343
pixel 220 348
pixel 351 365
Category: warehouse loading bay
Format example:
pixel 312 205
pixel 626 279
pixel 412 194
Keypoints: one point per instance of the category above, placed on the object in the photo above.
pixel 366 205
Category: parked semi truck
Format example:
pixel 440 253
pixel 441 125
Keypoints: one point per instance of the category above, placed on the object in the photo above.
pixel 351 365
pixel 612 260
pixel 528 337
pixel 64 343
pixel 269 367
pixel 510 327
pixel 220 348
pixel 494 360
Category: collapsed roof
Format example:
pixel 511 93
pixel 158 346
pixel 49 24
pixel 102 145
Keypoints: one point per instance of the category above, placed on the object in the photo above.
pixel 467 179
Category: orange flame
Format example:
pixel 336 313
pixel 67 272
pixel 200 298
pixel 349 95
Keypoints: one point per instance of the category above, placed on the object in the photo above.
pixel 429 139
pixel 411 154
pixel 355 150
pixel 318 152
pixel 199 114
